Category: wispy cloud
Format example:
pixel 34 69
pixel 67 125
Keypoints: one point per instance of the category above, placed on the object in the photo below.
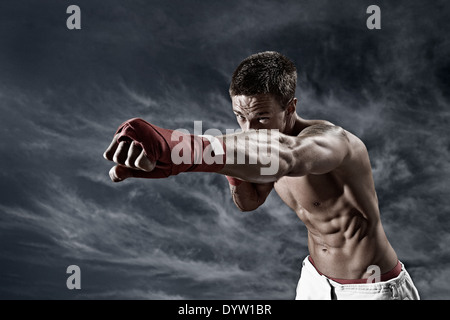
pixel 62 96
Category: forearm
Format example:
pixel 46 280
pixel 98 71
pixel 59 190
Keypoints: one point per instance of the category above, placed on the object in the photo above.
pixel 258 156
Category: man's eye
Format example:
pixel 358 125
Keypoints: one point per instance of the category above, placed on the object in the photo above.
pixel 263 120
pixel 240 117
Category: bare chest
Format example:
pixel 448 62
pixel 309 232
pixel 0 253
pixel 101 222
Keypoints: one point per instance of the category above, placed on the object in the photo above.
pixel 311 194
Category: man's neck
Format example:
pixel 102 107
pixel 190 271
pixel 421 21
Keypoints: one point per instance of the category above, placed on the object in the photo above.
pixel 294 126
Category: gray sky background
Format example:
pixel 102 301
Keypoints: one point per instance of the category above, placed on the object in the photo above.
pixel 64 92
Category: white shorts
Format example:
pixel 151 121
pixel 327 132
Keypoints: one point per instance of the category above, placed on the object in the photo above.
pixel 314 286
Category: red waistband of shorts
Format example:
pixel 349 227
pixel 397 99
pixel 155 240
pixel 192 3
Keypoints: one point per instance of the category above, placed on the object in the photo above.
pixel 393 273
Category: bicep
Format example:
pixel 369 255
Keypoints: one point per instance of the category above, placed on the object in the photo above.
pixel 319 149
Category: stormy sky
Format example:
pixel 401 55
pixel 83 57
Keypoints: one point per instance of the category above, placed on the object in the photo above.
pixel 63 93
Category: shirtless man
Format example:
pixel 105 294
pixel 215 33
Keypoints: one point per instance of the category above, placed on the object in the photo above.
pixel 323 174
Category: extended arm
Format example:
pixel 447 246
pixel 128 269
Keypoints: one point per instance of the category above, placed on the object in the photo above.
pixel 144 150
pixel 318 149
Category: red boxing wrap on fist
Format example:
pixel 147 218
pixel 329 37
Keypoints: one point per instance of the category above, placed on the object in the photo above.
pixel 173 151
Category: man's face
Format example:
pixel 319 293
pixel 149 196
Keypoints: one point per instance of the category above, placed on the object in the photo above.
pixel 259 112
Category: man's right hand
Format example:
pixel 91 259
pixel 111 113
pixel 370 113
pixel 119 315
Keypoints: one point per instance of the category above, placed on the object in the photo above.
pixel 143 150
pixel 130 158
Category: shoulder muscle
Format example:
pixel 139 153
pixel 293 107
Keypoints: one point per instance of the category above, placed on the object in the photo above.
pixel 321 148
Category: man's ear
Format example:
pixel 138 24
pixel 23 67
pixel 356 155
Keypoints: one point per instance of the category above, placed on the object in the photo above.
pixel 292 106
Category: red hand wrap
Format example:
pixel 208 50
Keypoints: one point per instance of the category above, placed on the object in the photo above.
pixel 158 144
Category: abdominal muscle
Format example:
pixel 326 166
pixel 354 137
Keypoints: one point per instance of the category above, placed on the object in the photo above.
pixel 343 240
pixel 345 248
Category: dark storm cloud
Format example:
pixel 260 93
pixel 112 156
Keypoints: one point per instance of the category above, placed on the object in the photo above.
pixel 63 93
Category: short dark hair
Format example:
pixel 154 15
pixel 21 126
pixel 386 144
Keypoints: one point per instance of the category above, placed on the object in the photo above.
pixel 265 73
